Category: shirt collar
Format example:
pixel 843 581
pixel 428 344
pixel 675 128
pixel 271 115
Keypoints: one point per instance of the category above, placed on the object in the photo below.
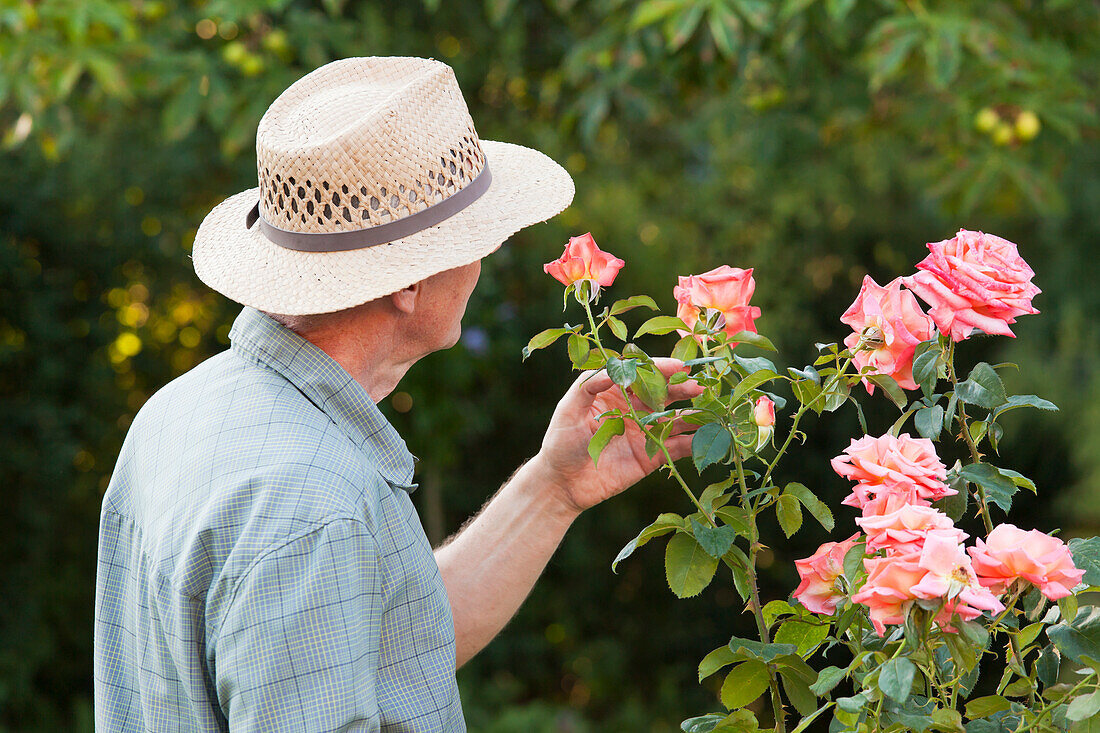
pixel 328 386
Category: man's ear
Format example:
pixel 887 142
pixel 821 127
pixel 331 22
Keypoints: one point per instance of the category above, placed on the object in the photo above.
pixel 405 300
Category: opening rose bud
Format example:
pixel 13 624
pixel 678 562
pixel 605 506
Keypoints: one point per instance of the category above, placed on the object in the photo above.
pixel 763 414
pixel 583 260
pixel 722 295
pixel 888 325
pixel 818 590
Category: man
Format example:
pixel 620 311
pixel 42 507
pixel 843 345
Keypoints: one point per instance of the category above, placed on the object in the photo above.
pixel 261 566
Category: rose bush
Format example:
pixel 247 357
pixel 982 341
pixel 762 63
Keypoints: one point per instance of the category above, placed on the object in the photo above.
pixel 921 614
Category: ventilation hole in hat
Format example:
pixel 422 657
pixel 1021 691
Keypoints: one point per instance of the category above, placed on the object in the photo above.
pixel 320 221
pixel 344 188
pixel 301 192
pixel 401 188
pixel 453 168
pixel 278 178
pixel 281 206
pixel 317 194
pixel 394 201
pixel 374 203
pixel 309 184
pixel 363 190
pixel 309 206
pixel 365 215
pixel 292 181
pixel 325 184
pixel 286 189
pixel 328 211
pixel 412 196
pixel 294 205
pixel 385 215
pixel 354 201
pixel 335 198
pixel 382 191
pixel 347 214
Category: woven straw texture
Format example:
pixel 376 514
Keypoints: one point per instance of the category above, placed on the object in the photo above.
pixel 359 143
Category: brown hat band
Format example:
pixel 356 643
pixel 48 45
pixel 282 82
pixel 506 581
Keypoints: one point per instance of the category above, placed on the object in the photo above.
pixel 380 234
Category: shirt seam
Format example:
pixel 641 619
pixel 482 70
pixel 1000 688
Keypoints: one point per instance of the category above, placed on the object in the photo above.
pixel 299 535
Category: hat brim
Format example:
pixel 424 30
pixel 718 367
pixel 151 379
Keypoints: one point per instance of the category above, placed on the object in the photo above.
pixel 243 265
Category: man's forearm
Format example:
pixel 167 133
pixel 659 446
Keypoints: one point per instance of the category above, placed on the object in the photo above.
pixel 491 564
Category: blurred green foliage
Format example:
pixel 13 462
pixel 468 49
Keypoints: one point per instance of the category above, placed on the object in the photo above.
pixel 815 140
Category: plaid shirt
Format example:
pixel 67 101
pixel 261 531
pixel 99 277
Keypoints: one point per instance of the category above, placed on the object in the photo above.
pixel 261 565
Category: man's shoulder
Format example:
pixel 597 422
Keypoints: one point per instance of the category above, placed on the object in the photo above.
pixel 232 430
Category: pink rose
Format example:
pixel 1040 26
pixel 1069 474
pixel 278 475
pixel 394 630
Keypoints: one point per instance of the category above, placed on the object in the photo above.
pixel 1010 553
pixel 888 591
pixel 722 293
pixel 890 324
pixel 583 260
pixel 903 468
pixel 903 530
pixel 951 576
pixel 974 281
pixel 818 590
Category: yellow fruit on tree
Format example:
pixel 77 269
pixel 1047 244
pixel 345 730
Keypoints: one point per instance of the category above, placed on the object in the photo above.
pixel 986 119
pixel 1003 134
pixel 1027 125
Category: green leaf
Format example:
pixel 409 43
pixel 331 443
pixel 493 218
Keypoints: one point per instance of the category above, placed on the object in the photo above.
pixel 814 506
pixel 661 325
pixel 955 506
pixel 805 633
pixel 651 387
pixel 1086 556
pixel 710 444
pixel 773 610
pixel 579 349
pixel 609 428
pixel 685 349
pixel 688 567
pixel 735 517
pixel 890 42
pixel 702 723
pixel 926 367
pixel 715 540
pixel 744 683
pixel 753 339
pixel 929 422
pixel 890 386
pixel 623 372
pixel 836 394
pixel 983 707
pixel 754 364
pixel 983 388
pixel 626 304
pixel 751 382
pixel 664 524
pixel 789 514
pixel 618 328
pixel 750 649
pixel 895 678
pixel 827 679
pixel 999 488
pixel 544 339
pixel 1079 638
pixel 943 55
pixel 853 561
pixel 1084 706
pixel 806 392
pixel 1048 665
pixel 798 692
pixel 721 657
pixel 1025 400
pixel 805 722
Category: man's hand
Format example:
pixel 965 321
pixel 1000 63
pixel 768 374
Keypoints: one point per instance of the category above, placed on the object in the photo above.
pixel 564 455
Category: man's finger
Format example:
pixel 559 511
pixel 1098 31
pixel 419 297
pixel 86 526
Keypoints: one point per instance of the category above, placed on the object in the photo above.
pixel 684 391
pixel 679 446
pixel 669 366
pixel 594 382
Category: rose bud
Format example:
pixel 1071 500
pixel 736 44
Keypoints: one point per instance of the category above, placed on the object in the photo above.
pixel 584 261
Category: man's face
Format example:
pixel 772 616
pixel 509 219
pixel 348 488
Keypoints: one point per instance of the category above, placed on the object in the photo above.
pixel 442 305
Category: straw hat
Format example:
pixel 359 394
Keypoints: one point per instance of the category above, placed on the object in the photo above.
pixel 372 178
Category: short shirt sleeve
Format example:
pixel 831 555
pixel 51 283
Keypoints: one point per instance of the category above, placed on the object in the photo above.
pixel 298 647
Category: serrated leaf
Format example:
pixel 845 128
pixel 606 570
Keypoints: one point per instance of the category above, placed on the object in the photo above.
pixel 929 422
pixel 1048 665
pixel 752 338
pixel 618 328
pixel 1084 706
pixel 827 679
pixel 1079 638
pixel 895 678
pixel 1086 556
pixel 750 383
pixel 1025 400
pixel 982 388
pixel 804 633
pixel 636 301
pixel 798 692
pixel 623 372
pixel 661 325
pixel 685 349
pixel 773 610
pixel 609 428
pixel 751 649
pixel 819 509
pixel 721 657
pixel 983 707
pixel 789 513
pixel 715 540
pixel 688 567
pixel 998 487
pixel 926 368
pixel 710 444
pixel 664 524
pixel 650 387
pixel 889 386
pixel 543 339
pixel 754 364
pixel 744 683
pixel 579 348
